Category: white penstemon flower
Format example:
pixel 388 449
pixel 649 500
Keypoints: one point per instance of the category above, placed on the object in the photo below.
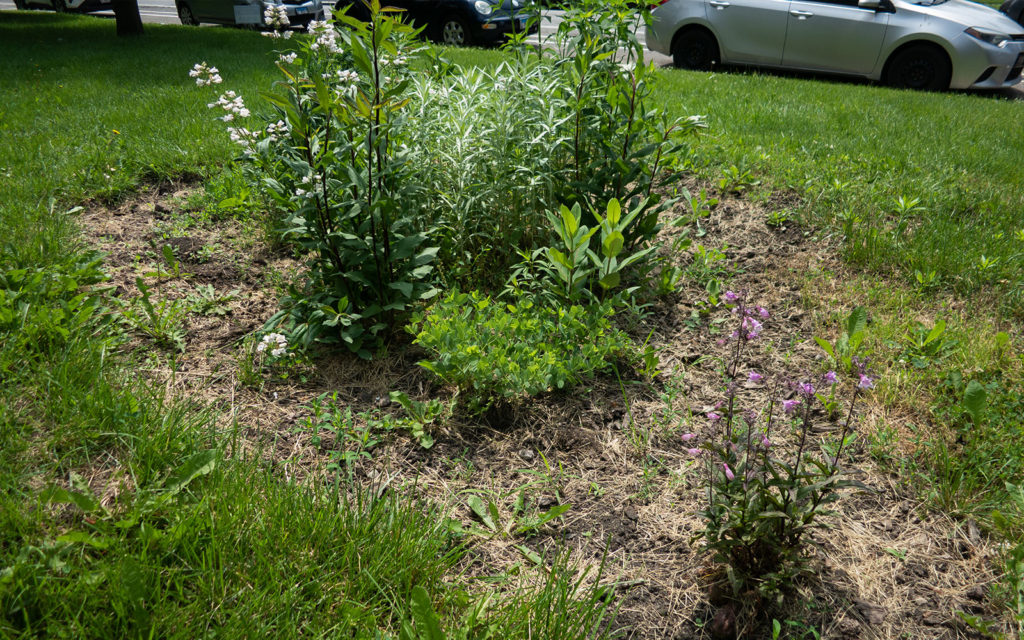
pixel 275 16
pixel 233 104
pixel 277 130
pixel 311 186
pixel 347 76
pixel 205 75
pixel 275 343
pixel 287 58
pixel 326 37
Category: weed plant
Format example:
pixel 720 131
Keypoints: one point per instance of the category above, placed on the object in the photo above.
pixel 763 505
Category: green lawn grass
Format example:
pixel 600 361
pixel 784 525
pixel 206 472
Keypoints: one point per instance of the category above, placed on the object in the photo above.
pixel 86 115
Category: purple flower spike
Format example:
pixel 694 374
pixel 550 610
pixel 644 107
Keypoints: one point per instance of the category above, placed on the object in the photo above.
pixel 789 406
pixel 731 296
pixel 807 389
pixel 830 377
pixel 712 416
pixel 689 436
pixel 693 452
pixel 755 377
pixel 728 472
pixel 866 382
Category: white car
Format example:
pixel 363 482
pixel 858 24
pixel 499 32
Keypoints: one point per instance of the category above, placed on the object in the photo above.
pixel 929 44
pixel 61 6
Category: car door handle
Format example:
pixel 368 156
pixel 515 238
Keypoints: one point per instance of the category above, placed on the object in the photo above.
pixel 800 15
pixel 719 4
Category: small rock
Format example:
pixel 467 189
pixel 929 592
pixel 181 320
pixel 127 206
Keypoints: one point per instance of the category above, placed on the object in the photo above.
pixel 849 628
pixel 160 207
pixel 527 454
pixel 590 464
pixel 921 602
pixel 872 613
pixel 631 513
pixel 546 502
pixel 972 532
pixel 976 593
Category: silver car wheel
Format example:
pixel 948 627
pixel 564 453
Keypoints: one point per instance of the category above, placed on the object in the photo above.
pixel 453 31
pixel 695 49
pixel 919 67
pixel 186 16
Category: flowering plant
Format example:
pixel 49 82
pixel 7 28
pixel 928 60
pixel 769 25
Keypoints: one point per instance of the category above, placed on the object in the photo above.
pixel 761 501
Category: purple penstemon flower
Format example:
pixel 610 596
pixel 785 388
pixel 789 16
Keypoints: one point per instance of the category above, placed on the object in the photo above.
pixel 789 406
pixel 688 436
pixel 806 388
pixel 830 377
pixel 765 442
pixel 728 472
pixel 732 296
pixel 755 377
pixel 761 311
pixel 712 416
pixel 693 451
pixel 866 382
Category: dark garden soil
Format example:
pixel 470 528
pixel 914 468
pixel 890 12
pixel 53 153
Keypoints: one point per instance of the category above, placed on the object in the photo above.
pixel 886 569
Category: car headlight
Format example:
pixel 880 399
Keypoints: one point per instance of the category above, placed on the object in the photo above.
pixel 995 39
pixel 483 8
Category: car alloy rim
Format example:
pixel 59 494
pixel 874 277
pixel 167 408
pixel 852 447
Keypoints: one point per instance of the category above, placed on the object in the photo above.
pixel 918 73
pixel 453 32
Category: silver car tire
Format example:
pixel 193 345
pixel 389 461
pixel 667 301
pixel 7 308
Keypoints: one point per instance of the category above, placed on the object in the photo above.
pixel 186 16
pixel 454 31
pixel 695 49
pixel 919 66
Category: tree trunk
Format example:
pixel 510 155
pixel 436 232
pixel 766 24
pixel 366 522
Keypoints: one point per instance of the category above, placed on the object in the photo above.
pixel 129 22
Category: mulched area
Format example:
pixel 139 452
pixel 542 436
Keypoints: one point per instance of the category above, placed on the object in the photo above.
pixel 886 568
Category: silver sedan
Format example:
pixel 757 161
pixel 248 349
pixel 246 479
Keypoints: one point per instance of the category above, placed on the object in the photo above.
pixel 929 44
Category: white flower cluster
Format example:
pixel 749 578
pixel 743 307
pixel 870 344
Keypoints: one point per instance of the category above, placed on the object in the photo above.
pixel 242 136
pixel 347 76
pixel 398 60
pixel 287 58
pixel 205 75
pixel 276 342
pixel 277 34
pixel 275 16
pixel 314 184
pixel 326 37
pixel 277 130
pixel 232 103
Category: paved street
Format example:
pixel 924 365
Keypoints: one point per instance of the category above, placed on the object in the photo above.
pixel 163 12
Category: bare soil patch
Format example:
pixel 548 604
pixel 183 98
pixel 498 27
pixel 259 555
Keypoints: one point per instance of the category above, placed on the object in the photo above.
pixel 612 451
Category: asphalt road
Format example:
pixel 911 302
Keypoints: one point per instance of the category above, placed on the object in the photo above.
pixel 163 12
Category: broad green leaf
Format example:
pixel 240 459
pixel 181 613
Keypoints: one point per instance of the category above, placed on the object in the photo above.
pixel 975 398
pixel 826 346
pixel 59 495
pixel 937 330
pixel 614 212
pixel 611 246
pixel 81 537
pixel 423 614
pixel 611 280
pixel 478 508
pixel 857 321
pixel 197 465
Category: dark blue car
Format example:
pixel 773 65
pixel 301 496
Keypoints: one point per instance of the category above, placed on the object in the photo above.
pixel 460 22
